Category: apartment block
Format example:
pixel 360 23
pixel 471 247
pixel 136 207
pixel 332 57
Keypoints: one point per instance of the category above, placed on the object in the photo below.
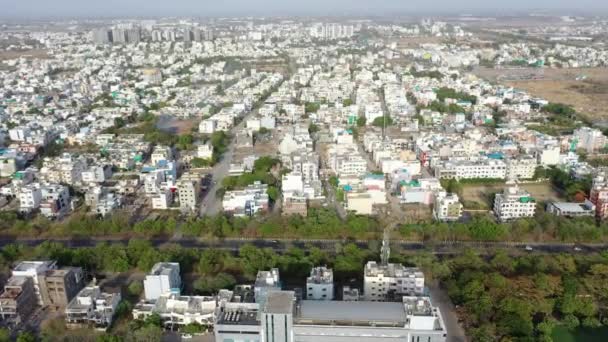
pixel 163 278
pixel 447 207
pixel 383 282
pixel 18 300
pixel 92 307
pixel 514 203
pixel 320 284
pixel 58 287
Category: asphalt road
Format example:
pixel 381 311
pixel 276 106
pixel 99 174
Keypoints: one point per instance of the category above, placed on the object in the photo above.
pixel 279 245
pixel 211 204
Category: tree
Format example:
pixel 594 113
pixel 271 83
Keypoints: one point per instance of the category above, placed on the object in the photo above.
pixel 212 284
pixel 347 102
pixel 148 333
pixel 26 337
pixel 184 141
pixel 383 121
pixel 361 121
pixel 200 162
pixel 503 263
pixel 311 107
pixel 312 128
pixel 571 322
pixel 5 335
pixel 273 193
pixel 108 338
pixel 135 288
pixel 193 328
pixel 333 181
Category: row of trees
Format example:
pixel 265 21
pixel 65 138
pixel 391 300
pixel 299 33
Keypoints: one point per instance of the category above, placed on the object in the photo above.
pixel 545 227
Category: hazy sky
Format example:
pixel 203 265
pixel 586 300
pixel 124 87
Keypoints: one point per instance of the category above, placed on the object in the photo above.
pixel 94 8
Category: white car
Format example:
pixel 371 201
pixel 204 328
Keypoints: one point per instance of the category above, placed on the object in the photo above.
pixel 529 248
pixel 186 336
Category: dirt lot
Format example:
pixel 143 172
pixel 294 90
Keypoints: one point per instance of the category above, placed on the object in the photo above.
pixel 585 89
pixel 12 54
pixel 174 125
pixel 484 194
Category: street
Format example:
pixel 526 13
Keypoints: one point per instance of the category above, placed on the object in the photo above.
pixel 211 204
pixel 440 299
pixel 280 245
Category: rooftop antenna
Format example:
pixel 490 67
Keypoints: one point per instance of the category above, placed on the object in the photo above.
pixel 385 251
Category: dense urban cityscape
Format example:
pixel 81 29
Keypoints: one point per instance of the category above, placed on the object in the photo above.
pixel 292 179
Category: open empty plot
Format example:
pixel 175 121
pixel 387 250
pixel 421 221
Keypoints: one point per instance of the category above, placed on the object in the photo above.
pixel 483 194
pixel 585 89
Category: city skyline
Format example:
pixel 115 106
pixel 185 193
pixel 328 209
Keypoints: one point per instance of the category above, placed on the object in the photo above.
pixel 113 8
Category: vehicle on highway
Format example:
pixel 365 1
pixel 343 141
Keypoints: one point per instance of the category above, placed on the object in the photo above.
pixel 186 336
pixel 577 249
pixel 529 248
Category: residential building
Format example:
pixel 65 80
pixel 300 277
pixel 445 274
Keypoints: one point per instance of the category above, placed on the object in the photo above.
pixel 17 301
pixel 205 151
pixel 589 139
pixel 599 196
pixel 320 284
pixel 152 76
pixel 58 287
pixel 266 282
pixel 247 202
pixel 447 207
pixel 514 203
pixel 359 202
pixel 163 278
pixel 176 310
pixel 350 294
pixel 188 192
pixel 33 269
pixel 92 307
pixel 548 156
pixel 294 206
pixel 384 282
pixel 471 169
pixel 521 168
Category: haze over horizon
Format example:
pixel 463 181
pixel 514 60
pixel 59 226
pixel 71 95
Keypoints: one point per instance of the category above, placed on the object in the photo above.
pixel 125 8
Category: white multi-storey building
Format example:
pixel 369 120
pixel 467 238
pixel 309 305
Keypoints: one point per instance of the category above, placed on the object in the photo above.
pixel 207 126
pixel 92 307
pixel 514 203
pixel 163 278
pixel 30 197
pixel 590 139
pixel 188 192
pixel 320 284
pixel 521 168
pixel 488 168
pixel 246 202
pixel 33 269
pixel 383 281
pixel 176 310
pixel 447 207
pixel 266 282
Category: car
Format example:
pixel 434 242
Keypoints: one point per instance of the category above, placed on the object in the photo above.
pixel 529 248
pixel 186 336
pixel 577 249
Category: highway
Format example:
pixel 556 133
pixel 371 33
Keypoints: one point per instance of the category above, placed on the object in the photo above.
pixel 280 245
